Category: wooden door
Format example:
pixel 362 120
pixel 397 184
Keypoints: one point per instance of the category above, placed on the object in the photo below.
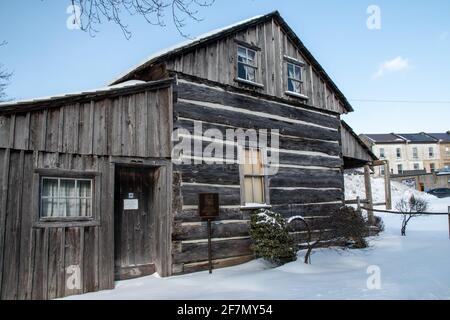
pixel 134 222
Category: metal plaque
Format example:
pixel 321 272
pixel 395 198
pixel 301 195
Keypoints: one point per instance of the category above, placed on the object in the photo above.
pixel 208 207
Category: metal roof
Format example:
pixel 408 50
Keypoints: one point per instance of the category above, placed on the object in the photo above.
pixel 385 138
pixel 443 137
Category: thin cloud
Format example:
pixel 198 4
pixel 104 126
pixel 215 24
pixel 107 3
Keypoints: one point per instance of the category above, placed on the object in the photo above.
pixel 394 65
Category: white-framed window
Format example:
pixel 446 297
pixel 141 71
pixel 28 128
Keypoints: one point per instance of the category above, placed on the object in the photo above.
pixel 65 197
pixel 415 153
pixel 382 153
pixel 416 166
pixel 294 78
pixel 400 168
pixel 447 151
pixel 382 170
pixel 247 64
pixel 254 177
pixel 431 152
pixel 399 153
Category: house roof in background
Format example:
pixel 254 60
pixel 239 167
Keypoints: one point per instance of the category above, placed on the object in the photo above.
pixel 444 137
pixel 417 137
pixel 385 138
pixel 218 34
pixel 421 137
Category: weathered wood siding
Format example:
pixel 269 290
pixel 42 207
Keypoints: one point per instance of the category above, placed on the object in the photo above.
pixel 84 136
pixel 309 181
pixel 134 125
pixel 218 62
pixel 353 147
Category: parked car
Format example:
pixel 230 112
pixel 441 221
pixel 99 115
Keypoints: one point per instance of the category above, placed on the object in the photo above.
pixel 440 192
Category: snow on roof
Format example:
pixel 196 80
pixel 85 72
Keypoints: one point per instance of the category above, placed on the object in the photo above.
pixel 129 83
pixel 185 44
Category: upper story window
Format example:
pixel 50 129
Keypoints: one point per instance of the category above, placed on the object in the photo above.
pixel 416 166
pixel 400 168
pixel 447 151
pixel 399 153
pixel 382 153
pixel 247 64
pixel 415 153
pixel 66 198
pixel 431 152
pixel 432 167
pixel 295 80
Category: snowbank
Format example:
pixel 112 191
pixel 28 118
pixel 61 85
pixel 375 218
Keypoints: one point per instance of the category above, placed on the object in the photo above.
pixel 412 267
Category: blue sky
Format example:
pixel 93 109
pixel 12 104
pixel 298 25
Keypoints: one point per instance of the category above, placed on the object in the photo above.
pixel 413 45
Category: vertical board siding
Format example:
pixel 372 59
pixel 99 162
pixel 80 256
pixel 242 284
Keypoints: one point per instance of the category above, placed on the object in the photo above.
pixel 219 65
pixel 37 259
pixel 134 125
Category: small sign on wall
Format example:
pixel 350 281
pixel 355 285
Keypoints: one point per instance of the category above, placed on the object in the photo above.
pixel 130 204
pixel 208 205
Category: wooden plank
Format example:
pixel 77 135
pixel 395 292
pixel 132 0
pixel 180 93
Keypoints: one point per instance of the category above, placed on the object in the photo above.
pixel 141 125
pixel 5 122
pixel 197 251
pixel 195 92
pixel 251 121
pixel 211 174
pixel 27 217
pixel 218 263
pixel 302 196
pixel 73 261
pixel 191 215
pixel 52 130
pixel 306 210
pixel 4 181
pixel 100 139
pixel 306 178
pixel 85 129
pixel 219 229
pixel 90 260
pixel 227 195
pixel 11 247
pixel 55 265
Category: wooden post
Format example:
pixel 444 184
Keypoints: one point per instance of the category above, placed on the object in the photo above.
pixel 369 199
pixel 358 202
pixel 209 246
pixel 387 185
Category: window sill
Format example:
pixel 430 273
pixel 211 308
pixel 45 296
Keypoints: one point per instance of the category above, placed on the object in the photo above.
pixel 66 222
pixel 297 95
pixel 251 83
pixel 256 206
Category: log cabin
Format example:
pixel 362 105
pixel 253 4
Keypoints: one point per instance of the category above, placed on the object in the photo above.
pixel 90 189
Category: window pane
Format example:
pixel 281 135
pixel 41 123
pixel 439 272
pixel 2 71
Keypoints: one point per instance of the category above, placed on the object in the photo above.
pixel 67 188
pixel 242 54
pixel 85 208
pixel 84 187
pixel 242 74
pixel 49 187
pixel 298 73
pixel 291 85
pixel 251 57
pixel 297 87
pixel 68 207
pixel 49 207
pixel 258 190
pixel 290 70
pixel 251 74
pixel 248 190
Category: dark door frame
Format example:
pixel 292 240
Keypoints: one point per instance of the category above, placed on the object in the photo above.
pixel 163 213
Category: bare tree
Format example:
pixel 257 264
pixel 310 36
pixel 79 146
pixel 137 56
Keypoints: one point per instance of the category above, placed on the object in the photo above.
pixel 411 208
pixel 5 76
pixel 346 228
pixel 91 13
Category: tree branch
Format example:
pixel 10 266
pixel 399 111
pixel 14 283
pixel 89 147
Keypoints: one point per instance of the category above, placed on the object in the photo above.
pixel 90 13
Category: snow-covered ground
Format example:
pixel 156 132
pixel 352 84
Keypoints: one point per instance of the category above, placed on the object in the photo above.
pixel 412 267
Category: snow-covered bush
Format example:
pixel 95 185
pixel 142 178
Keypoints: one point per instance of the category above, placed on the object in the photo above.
pixel 271 239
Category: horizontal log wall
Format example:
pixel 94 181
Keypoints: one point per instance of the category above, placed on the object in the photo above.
pixel 309 180
pixel 217 62
pixel 35 256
